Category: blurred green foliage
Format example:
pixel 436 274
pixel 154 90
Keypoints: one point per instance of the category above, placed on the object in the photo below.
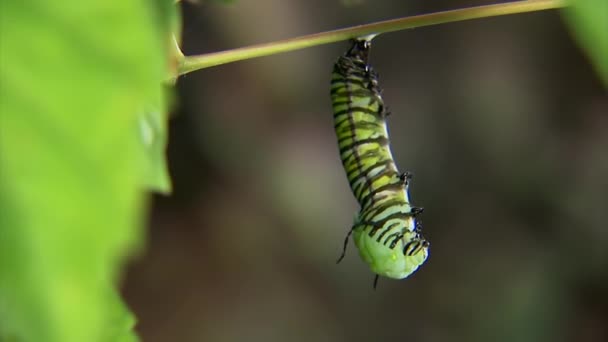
pixel 82 133
pixel 588 21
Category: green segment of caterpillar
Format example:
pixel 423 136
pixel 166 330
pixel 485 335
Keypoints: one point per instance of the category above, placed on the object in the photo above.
pixel 385 230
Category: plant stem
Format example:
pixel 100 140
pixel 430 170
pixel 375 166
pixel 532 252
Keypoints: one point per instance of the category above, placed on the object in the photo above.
pixel 192 63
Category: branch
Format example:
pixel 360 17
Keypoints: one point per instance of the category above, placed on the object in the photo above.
pixel 192 63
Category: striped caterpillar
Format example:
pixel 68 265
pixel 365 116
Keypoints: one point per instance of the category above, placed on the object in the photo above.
pixel 385 230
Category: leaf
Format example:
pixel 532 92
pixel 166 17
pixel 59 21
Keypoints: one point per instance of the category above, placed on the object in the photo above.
pixel 74 78
pixel 153 138
pixel 588 21
pixel 152 121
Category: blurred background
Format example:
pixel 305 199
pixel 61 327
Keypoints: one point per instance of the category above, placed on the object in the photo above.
pixel 503 123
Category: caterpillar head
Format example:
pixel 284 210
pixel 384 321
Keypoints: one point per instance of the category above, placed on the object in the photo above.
pixel 398 262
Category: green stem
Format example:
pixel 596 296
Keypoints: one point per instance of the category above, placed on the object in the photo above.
pixel 192 63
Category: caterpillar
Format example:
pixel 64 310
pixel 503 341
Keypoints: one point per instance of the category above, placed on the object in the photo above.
pixel 385 231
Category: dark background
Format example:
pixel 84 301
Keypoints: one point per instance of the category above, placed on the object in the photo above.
pixel 501 120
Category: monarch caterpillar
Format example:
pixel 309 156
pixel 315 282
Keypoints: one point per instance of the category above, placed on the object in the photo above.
pixel 385 230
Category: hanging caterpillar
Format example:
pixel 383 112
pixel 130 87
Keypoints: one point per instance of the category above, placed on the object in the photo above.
pixel 385 230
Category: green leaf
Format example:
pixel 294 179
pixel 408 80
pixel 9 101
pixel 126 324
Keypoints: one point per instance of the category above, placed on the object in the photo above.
pixel 588 21
pixel 152 121
pixel 75 77
pixel 153 138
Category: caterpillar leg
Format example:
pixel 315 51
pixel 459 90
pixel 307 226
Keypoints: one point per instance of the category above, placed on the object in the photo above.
pixel 417 211
pixel 418 227
pixel 406 177
pixel 387 111
pixel 345 245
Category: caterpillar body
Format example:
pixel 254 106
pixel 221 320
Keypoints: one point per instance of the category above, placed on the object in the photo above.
pixel 385 230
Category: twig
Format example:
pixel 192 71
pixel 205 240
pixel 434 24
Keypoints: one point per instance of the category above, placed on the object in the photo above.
pixel 192 63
